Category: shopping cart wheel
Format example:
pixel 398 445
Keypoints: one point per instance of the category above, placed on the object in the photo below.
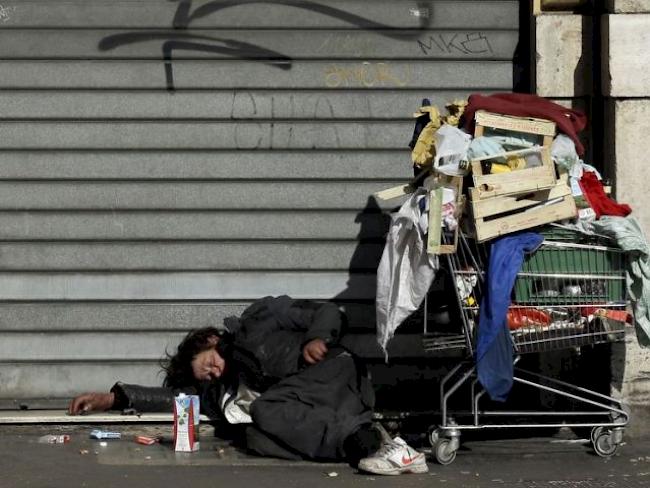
pixel 434 435
pixel 604 444
pixel 445 453
pixel 595 432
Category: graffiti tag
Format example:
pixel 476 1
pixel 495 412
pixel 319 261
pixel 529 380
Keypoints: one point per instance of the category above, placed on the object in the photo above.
pixel 471 43
pixel 177 39
pixel 367 75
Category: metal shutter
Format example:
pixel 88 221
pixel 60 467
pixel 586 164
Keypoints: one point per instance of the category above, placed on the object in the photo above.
pixel 164 163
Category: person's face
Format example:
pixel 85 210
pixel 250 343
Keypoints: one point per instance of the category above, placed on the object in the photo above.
pixel 208 365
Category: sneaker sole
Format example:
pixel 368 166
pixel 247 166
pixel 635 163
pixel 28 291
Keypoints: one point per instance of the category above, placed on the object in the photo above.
pixel 415 469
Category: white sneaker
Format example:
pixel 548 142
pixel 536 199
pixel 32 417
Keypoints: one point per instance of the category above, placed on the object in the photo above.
pixel 395 457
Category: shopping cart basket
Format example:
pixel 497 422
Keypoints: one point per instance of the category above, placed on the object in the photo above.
pixel 569 293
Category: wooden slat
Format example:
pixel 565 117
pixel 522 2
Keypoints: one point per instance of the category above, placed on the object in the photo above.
pixel 186 256
pixel 258 44
pixel 502 204
pixel 533 179
pixel 159 225
pixel 184 285
pixel 528 125
pixel 425 75
pixel 513 182
pixel 528 218
pixel 254 14
pixel 203 135
pixel 394 192
pixel 435 219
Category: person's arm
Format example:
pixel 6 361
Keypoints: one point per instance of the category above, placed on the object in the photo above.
pixel 124 396
pixel 91 402
pixel 144 398
pixel 324 325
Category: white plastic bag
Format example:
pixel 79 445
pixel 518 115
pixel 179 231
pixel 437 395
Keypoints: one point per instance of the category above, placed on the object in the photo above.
pixel 406 270
pixel 451 148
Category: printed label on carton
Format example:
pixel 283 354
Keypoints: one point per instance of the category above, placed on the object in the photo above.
pixel 186 423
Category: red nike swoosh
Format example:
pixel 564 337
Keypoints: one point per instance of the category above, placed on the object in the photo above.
pixel 406 460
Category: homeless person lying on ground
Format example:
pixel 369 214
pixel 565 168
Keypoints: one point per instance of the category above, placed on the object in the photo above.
pixel 278 375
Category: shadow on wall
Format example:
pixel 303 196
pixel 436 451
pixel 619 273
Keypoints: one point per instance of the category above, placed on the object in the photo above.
pixel 523 59
pixel 374 225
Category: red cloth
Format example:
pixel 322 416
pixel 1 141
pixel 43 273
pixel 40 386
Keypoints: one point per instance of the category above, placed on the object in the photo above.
pixel 569 121
pixel 593 191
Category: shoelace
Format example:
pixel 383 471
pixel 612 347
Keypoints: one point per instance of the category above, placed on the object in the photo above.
pixel 388 448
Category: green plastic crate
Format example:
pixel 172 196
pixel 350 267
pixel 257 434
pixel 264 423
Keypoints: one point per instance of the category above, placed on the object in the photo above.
pixel 593 273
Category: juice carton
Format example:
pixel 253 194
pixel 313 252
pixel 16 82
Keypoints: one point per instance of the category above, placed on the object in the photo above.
pixel 186 423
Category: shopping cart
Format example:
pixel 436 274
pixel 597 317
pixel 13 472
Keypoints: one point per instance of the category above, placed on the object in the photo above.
pixel 569 293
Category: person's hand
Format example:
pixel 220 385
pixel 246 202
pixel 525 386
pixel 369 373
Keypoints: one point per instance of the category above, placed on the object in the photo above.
pixel 314 351
pixel 89 402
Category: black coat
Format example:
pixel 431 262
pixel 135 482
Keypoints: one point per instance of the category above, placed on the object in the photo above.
pixel 304 411
pixel 267 341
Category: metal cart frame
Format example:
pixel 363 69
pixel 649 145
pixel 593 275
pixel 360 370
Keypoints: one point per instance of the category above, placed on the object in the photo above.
pixel 570 289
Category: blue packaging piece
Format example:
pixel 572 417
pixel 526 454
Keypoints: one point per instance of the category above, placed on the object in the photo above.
pixel 102 434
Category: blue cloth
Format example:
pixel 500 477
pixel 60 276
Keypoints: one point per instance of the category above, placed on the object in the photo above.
pixel 494 348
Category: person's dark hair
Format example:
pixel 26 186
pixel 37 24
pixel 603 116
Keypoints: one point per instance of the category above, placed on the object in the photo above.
pixel 178 366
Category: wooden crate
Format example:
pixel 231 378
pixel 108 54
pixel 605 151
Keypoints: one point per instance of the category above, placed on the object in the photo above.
pixel 488 123
pixel 509 213
pixel 516 181
pixel 434 245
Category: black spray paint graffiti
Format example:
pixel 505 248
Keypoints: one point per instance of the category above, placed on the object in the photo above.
pixel 190 42
pixel 472 43
pixel 175 40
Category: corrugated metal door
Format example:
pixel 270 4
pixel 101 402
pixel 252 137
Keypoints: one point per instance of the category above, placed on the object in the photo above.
pixel 164 163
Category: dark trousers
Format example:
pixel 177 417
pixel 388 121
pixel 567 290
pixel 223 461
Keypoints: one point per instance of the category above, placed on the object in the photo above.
pixel 324 412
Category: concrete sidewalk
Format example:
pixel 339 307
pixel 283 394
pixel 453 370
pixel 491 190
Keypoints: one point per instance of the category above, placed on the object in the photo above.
pixel 560 461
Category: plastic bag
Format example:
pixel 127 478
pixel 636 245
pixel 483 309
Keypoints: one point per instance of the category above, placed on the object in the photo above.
pixel 451 149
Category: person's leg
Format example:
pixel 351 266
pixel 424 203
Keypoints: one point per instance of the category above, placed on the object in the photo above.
pixel 257 442
pixel 363 442
pixel 394 456
pixel 315 411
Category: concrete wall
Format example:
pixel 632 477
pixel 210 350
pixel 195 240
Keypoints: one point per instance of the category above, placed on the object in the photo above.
pixel 626 86
pixel 626 38
pixel 564 57
pixel 628 126
pixel 627 6
pixel 563 62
